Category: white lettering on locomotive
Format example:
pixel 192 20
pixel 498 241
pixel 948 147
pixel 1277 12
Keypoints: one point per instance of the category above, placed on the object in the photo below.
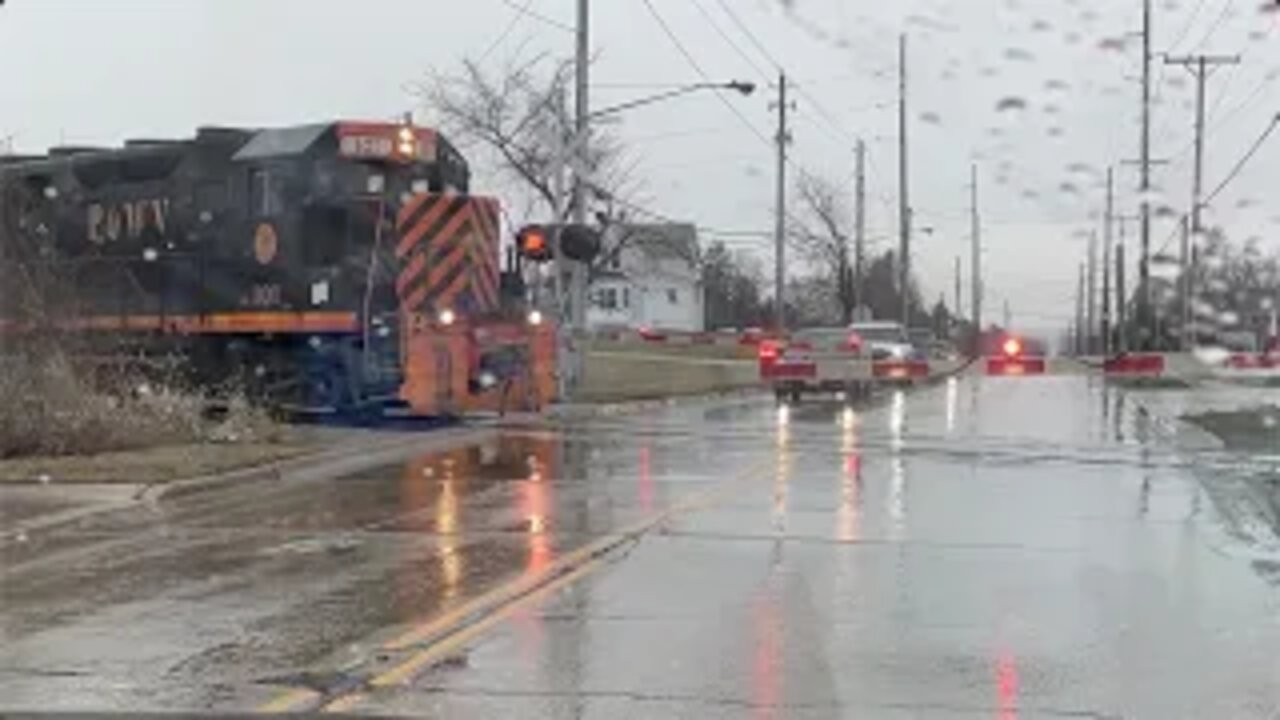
pixel 109 222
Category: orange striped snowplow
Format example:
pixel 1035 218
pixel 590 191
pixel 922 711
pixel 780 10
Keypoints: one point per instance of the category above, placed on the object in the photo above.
pixel 461 350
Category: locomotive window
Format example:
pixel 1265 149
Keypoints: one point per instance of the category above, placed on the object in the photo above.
pixel 324 235
pixel 264 193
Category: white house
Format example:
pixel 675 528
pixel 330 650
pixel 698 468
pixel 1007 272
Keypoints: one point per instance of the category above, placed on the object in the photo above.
pixel 649 280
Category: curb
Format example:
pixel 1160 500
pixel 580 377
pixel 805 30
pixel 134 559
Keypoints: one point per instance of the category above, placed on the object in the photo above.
pixel 589 410
pixel 340 459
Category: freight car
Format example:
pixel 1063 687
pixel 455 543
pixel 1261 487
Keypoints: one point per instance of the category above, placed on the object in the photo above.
pixel 328 266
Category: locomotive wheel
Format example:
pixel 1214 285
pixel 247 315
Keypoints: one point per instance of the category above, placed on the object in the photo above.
pixel 330 387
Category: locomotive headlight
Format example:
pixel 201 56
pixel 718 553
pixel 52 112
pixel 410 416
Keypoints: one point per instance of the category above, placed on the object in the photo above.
pixel 446 317
pixel 150 255
pixel 535 317
pixel 408 141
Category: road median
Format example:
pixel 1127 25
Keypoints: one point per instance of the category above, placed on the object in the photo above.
pixel 643 374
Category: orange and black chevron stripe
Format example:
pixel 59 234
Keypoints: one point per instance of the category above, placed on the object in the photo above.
pixel 448 247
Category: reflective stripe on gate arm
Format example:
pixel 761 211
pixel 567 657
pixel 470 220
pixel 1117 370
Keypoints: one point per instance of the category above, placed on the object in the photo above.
pixel 1134 364
pixel 1001 365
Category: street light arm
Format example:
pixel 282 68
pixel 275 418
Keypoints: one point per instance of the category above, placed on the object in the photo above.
pixel 745 88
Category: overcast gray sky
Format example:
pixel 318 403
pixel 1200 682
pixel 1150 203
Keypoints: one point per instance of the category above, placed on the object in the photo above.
pixel 99 71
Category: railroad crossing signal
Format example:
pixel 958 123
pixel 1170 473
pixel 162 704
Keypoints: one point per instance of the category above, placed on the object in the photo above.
pixel 534 243
pixel 577 242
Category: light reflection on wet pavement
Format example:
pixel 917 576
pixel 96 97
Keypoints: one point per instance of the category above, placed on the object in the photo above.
pixel 985 547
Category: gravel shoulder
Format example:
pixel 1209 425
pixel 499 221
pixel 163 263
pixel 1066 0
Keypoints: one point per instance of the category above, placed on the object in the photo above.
pixel 1249 429
pixel 1252 436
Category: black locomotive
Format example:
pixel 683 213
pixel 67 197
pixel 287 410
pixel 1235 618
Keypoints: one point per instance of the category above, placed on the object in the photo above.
pixel 290 256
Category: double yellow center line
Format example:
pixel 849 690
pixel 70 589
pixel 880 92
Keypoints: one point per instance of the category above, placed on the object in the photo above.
pixel 445 635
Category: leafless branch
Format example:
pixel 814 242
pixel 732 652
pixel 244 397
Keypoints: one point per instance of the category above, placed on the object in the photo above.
pixel 515 113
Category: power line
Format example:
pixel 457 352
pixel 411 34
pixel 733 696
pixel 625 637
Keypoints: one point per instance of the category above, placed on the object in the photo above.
pixel 1235 171
pixel 1257 145
pixel 1217 23
pixel 755 41
pixel 1249 100
pixel 1219 122
pixel 506 32
pixel 666 29
pixel 821 127
pixel 728 40
pixel 1186 28
pixel 526 12
pixel 718 232
pixel 747 31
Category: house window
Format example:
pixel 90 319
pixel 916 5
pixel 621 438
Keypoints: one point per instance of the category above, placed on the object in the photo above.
pixel 626 297
pixel 615 261
pixel 673 296
pixel 608 298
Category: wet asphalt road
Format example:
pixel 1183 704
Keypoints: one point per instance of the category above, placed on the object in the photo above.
pixel 1036 547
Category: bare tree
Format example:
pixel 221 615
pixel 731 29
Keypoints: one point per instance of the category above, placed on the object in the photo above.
pixel 516 113
pixel 513 115
pixel 822 236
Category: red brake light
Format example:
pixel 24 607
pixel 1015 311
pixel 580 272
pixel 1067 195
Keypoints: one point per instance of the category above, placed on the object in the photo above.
pixel 768 350
pixel 1012 347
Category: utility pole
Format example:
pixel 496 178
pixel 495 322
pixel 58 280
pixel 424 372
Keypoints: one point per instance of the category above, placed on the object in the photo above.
pixel 582 136
pixel 1080 312
pixel 1107 220
pixel 904 201
pixel 780 226
pixel 957 307
pixel 574 321
pixel 859 223
pixel 1184 286
pixel 1144 266
pixel 1122 303
pixel 844 280
pixel 975 261
pixel 1143 314
pixel 1091 289
pixel 1199 66
pixel 564 348
pixel 581 108
pixel 1008 315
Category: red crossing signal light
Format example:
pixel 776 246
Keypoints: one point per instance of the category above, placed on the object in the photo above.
pixel 534 243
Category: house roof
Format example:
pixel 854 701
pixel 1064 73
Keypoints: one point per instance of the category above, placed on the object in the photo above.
pixel 663 240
